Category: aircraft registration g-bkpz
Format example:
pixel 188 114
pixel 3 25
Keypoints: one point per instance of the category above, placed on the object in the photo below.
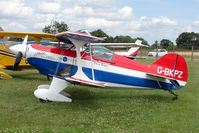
pixel 82 61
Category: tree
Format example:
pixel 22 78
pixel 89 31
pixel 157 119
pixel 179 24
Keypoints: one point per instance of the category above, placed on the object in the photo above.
pixel 116 39
pixel 55 27
pixel 100 33
pixel 123 39
pixel 185 40
pixel 155 45
pixel 166 44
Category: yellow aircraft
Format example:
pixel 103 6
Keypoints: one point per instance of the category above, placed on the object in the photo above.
pixel 8 59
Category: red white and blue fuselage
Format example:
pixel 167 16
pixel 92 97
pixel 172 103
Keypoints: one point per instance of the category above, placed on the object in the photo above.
pixel 120 72
pixel 100 67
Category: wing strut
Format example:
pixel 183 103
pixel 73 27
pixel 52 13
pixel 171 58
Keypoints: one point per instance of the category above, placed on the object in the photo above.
pixel 91 55
pixel 78 44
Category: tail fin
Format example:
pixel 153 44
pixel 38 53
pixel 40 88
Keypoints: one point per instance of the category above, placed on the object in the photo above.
pixel 170 66
pixel 133 51
pixel 138 42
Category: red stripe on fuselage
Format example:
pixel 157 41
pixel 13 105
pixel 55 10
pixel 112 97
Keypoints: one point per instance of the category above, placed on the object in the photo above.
pixel 65 52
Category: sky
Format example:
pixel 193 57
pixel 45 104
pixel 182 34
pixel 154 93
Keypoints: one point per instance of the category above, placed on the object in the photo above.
pixel 151 19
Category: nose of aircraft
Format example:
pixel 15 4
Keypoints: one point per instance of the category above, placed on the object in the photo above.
pixel 18 48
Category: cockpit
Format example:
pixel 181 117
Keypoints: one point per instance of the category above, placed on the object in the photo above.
pixel 100 52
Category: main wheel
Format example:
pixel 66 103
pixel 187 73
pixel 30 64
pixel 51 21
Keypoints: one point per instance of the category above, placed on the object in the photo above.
pixel 44 101
pixel 175 98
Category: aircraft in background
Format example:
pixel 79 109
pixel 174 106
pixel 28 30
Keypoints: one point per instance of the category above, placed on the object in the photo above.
pixel 131 53
pixel 8 58
pixel 81 63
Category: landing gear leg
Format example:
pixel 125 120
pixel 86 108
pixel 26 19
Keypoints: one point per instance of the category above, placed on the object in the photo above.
pixel 175 95
pixel 53 92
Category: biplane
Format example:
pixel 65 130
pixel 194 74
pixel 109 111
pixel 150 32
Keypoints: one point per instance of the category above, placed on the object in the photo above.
pixel 8 59
pixel 83 61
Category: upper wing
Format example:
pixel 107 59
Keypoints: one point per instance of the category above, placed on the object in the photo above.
pixel 36 36
pixel 138 43
pixel 68 35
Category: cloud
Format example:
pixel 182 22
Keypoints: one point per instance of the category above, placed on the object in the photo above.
pixel 125 13
pixel 196 22
pixel 14 8
pixel 79 11
pixel 108 15
pixel 49 7
pixel 16 26
pixel 98 4
pixel 163 20
pixel 100 22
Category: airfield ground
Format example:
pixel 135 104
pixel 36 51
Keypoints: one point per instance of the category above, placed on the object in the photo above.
pixel 96 109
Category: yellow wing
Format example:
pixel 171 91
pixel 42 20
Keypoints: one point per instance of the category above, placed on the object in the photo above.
pixel 36 36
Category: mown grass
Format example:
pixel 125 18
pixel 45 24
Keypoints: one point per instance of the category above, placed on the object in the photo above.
pixel 96 109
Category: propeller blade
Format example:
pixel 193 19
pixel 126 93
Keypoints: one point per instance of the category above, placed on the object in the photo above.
pixel 20 51
pixel 17 60
pixel 25 40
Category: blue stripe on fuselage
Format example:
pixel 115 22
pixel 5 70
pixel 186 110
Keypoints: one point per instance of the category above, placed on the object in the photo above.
pixel 48 67
pixel 126 80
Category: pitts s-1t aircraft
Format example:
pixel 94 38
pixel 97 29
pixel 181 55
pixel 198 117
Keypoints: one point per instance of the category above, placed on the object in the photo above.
pixel 82 61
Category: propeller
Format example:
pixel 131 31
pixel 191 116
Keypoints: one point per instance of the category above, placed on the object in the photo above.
pixel 20 51
pixel 17 60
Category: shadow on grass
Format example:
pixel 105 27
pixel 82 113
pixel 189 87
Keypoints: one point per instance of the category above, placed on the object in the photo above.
pixel 81 94
pixel 153 97
pixel 28 76
pixel 84 98
pixel 20 68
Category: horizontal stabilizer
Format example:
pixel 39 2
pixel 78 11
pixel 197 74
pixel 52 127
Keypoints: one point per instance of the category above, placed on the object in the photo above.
pixel 92 83
pixel 163 79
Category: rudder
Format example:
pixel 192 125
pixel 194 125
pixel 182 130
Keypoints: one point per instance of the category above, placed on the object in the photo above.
pixel 171 66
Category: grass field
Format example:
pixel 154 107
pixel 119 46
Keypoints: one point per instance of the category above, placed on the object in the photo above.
pixel 98 110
